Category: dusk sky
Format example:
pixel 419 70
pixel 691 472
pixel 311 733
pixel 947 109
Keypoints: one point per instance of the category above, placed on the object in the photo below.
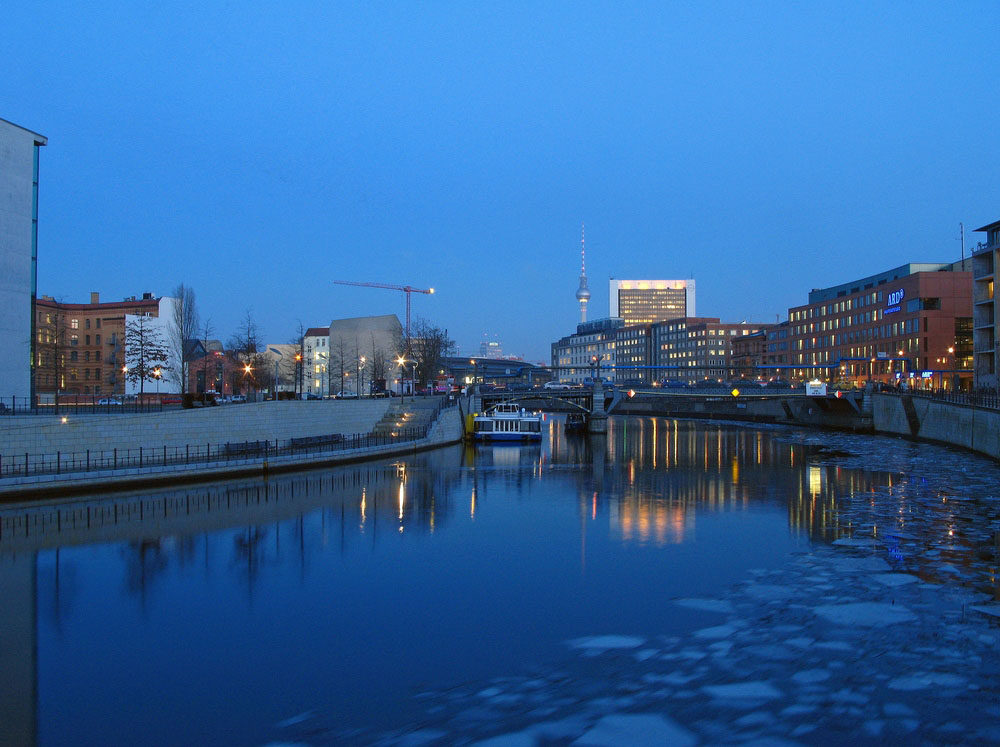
pixel 259 151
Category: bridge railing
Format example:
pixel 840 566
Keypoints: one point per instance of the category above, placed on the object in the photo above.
pixel 987 400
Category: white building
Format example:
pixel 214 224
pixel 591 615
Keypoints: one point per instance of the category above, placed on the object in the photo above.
pixel 162 325
pixel 316 361
pixel 18 255
pixel 651 301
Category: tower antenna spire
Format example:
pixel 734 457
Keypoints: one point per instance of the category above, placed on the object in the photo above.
pixel 583 292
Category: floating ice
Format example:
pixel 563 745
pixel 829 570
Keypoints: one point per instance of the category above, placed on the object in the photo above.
pixel 706 605
pixel 895 579
pixel 924 680
pixel 716 631
pixel 808 676
pixel 868 614
pixel 743 691
pixel 769 591
pixel 987 609
pixel 515 739
pixel 606 642
pixel 637 729
pixel 294 720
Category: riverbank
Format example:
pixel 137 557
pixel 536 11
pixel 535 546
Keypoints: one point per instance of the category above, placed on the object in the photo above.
pixel 264 440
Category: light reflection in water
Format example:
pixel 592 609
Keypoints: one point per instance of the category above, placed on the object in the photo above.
pixel 556 525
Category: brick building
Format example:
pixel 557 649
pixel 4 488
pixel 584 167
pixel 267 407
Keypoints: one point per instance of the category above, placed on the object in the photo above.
pixel 913 323
pixel 80 348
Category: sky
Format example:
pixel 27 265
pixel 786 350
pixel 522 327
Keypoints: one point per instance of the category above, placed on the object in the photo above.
pixel 258 151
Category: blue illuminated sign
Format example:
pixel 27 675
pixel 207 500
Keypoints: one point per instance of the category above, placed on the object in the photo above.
pixel 893 300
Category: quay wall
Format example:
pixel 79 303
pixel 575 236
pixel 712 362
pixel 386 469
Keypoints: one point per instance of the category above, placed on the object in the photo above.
pixel 446 429
pixel 253 421
pixel 972 428
pixel 793 410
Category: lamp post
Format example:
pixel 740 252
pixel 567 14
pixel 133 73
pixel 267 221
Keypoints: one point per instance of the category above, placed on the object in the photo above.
pixel 595 362
pixel 472 362
pixel 298 375
pixel 401 362
pixel 361 376
pixel 124 380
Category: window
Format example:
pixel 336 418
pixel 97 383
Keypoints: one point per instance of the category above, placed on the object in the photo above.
pixel 87 322
pixel 97 338
pixel 87 337
pixel 74 323
pixel 74 340
pixel 97 323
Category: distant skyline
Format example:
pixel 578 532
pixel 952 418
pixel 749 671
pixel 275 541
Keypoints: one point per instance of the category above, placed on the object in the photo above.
pixel 258 153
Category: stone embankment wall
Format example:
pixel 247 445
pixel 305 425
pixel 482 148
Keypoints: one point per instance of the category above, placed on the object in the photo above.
pixel 816 412
pixel 944 422
pixel 45 434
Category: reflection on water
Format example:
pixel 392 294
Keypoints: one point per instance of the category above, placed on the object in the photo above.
pixel 247 602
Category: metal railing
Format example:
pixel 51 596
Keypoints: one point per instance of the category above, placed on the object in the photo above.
pixel 86 404
pixel 988 400
pixel 24 465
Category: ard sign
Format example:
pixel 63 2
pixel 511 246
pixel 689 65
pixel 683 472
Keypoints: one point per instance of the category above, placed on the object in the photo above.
pixel 893 301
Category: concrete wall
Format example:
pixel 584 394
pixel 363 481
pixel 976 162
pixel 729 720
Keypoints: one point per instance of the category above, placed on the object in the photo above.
pixel 919 417
pixel 17 167
pixel 226 423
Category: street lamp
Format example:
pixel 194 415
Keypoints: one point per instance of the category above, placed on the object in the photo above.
pixel 156 375
pixel 362 361
pixel 595 362
pixel 276 362
pixel 298 374
pixel 401 362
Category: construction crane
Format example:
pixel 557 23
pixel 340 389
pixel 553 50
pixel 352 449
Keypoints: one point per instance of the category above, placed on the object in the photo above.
pixel 407 289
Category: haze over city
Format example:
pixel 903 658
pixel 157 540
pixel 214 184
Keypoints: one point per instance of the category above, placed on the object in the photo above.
pixel 257 153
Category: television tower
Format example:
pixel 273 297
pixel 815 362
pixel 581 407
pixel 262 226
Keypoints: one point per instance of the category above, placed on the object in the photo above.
pixel 583 292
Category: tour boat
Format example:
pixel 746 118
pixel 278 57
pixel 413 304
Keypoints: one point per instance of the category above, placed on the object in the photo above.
pixel 507 422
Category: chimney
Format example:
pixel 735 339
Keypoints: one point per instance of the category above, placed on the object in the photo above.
pixel 95 297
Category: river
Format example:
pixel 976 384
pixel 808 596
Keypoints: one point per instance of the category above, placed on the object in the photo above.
pixel 614 586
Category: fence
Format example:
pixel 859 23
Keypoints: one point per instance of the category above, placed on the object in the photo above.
pixel 27 465
pixel 84 404
pixel 986 400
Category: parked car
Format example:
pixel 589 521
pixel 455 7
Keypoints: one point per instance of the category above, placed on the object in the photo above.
pixel 346 395
pixel 238 398
pixel 556 385
pixel 108 401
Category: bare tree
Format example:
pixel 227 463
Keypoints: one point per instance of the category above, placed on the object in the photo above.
pixel 299 339
pixel 245 350
pixel 183 330
pixel 341 360
pixel 51 349
pixel 207 360
pixel 146 352
pixel 429 344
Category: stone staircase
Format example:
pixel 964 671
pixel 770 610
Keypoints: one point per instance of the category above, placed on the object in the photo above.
pixel 415 412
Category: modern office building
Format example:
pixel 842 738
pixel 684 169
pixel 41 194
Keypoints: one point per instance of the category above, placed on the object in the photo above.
pixel 80 347
pixel 650 301
pixel 575 357
pixel 985 320
pixel 490 349
pixel 913 322
pixel 634 354
pixel 692 349
pixel 19 150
